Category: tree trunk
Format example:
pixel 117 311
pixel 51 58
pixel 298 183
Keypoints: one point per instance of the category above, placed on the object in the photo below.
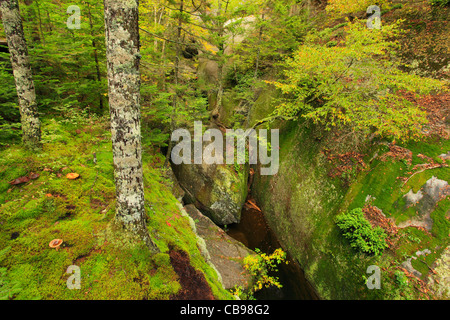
pixel 123 57
pixel 97 66
pixel 40 24
pixel 219 101
pixel 20 62
pixel 176 73
pixel 258 49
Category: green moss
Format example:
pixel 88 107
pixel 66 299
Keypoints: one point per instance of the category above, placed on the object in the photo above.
pixel 301 201
pixel 229 105
pixel 440 216
pixel 79 212
pixel 263 106
pixel 381 182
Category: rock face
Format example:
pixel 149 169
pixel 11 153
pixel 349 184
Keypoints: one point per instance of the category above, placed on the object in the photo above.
pixel 294 200
pixel 225 253
pixel 425 201
pixel 215 189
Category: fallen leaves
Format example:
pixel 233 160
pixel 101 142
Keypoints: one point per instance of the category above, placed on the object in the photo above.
pixel 421 285
pixel 24 179
pixel 377 218
pixel 344 163
pixel 398 153
pixel 250 204
pixel 20 180
pixel 34 176
pixel 437 107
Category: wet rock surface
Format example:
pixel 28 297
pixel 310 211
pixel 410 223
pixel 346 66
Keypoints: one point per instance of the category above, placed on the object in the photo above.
pixel 226 253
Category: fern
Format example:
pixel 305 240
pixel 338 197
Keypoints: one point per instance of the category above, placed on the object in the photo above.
pixel 360 233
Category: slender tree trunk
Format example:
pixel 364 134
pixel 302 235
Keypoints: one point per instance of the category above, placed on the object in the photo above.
pixel 163 72
pixel 176 73
pixel 123 57
pixel 155 41
pixel 97 65
pixel 12 24
pixel 40 23
pixel 258 50
pixel 221 62
pixel 49 22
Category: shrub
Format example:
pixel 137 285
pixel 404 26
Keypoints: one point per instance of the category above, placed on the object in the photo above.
pixel 401 279
pixel 261 265
pixel 360 233
pixel 359 88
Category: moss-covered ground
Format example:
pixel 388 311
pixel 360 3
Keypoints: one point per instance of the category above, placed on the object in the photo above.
pixel 79 212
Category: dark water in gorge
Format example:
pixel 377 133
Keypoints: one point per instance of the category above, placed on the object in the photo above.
pixel 254 232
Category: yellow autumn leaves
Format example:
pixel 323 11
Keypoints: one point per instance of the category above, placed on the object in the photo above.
pixel 261 264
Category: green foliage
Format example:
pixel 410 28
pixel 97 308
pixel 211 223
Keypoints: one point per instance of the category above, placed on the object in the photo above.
pixel 401 279
pixel 9 111
pixel 345 7
pixel 9 132
pixel 261 265
pixel 440 3
pixel 360 233
pixel 277 34
pixel 69 69
pixel 353 84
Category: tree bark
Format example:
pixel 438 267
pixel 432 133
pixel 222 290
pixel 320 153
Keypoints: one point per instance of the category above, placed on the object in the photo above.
pixel 123 57
pixel 12 23
pixel 219 101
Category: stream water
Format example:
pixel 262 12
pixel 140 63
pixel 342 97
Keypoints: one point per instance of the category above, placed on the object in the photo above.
pixel 254 232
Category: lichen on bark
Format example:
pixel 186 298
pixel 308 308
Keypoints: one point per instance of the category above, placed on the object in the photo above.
pixel 23 77
pixel 122 52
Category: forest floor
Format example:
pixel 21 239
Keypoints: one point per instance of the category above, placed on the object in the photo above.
pixel 67 192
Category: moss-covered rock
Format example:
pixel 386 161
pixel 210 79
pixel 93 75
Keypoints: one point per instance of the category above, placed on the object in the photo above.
pixel 225 253
pixel 218 190
pixel 300 204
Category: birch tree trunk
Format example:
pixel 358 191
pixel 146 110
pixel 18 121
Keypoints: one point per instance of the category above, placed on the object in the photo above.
pixel 12 23
pixel 123 57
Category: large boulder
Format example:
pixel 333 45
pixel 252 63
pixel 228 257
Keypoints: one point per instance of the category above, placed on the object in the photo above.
pixel 218 190
pixel 226 254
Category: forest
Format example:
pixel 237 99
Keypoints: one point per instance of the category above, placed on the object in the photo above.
pixel 224 150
